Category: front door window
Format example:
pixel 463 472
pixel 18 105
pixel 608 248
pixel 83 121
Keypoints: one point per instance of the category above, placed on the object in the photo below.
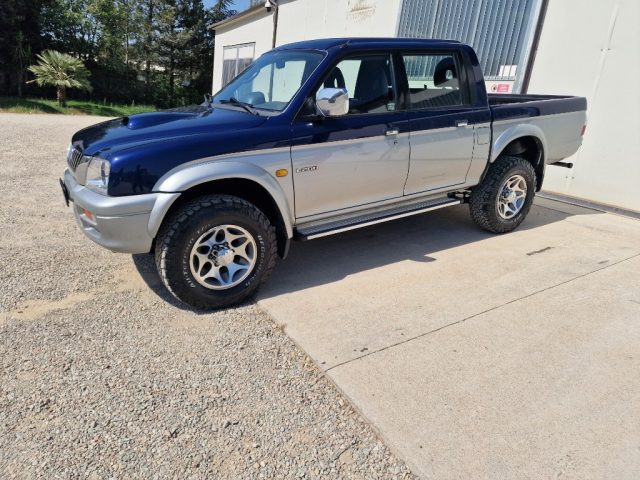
pixel 369 81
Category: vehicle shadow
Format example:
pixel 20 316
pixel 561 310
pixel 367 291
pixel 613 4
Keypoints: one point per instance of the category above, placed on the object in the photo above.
pixel 333 258
pixel 416 239
pixel 146 267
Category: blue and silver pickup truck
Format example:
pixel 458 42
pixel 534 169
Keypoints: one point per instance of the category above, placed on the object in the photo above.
pixel 313 139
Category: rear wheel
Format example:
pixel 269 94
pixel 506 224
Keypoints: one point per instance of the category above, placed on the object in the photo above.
pixel 215 251
pixel 503 199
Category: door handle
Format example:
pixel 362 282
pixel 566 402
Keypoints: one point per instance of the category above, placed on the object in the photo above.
pixel 462 123
pixel 392 132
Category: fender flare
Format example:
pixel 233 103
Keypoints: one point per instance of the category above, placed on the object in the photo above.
pixel 515 132
pixel 189 175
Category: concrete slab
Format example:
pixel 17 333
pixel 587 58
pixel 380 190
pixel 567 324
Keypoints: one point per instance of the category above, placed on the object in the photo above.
pixel 547 387
pixel 480 356
pixel 367 289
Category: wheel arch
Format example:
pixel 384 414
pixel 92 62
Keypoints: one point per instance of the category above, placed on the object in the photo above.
pixel 526 141
pixel 246 181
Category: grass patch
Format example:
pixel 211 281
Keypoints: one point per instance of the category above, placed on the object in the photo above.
pixel 74 107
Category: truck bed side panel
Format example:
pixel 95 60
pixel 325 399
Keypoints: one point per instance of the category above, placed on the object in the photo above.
pixel 556 121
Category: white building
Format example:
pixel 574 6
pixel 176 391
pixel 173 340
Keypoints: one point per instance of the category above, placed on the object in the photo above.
pixel 576 47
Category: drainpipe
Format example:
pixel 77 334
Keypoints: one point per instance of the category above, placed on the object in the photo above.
pixel 213 62
pixel 274 4
pixel 534 47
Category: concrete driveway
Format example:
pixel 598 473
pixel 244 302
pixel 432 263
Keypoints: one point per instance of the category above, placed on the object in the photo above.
pixel 480 356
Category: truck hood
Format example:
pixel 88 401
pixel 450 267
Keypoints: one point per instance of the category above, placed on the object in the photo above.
pixel 121 133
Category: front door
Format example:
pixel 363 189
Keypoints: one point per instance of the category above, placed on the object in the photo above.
pixel 441 121
pixel 359 158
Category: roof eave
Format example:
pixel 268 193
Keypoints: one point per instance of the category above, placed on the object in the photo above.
pixel 239 16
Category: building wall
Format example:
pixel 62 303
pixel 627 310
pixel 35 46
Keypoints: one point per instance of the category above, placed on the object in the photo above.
pixel 588 50
pixel 594 52
pixel 305 20
pixel 257 28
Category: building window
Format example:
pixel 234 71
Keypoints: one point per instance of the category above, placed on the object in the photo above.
pixel 501 32
pixel 235 58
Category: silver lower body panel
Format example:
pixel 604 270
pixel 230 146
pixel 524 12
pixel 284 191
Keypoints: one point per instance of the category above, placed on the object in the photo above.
pixel 120 224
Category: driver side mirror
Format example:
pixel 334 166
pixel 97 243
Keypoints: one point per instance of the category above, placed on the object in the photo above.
pixel 332 102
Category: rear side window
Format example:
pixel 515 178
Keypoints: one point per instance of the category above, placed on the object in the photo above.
pixel 434 80
pixel 369 81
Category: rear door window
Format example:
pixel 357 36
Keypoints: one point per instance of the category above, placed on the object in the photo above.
pixel 434 80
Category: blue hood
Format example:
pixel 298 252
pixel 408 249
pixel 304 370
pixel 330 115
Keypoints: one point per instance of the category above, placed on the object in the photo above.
pixel 106 138
pixel 142 148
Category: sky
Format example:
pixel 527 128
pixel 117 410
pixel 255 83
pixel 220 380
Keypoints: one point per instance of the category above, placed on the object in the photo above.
pixel 238 5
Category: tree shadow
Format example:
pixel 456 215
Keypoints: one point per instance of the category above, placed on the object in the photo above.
pixel 99 110
pixel 34 105
pixel 16 102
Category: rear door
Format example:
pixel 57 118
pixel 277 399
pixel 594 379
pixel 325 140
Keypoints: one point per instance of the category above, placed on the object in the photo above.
pixel 441 120
pixel 359 158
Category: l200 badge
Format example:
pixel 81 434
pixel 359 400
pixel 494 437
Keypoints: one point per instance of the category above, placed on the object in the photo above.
pixel 312 168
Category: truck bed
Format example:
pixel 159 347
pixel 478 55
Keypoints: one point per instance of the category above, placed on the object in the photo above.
pixel 504 107
pixel 560 120
pixel 501 99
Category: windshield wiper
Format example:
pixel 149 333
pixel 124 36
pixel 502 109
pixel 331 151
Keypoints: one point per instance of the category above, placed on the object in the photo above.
pixel 247 106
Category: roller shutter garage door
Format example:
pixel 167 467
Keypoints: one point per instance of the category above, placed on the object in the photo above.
pixel 500 31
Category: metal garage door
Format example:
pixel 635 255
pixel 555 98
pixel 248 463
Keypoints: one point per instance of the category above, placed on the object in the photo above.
pixel 501 31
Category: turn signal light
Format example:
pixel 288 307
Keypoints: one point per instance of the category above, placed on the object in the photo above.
pixel 88 214
pixel 283 172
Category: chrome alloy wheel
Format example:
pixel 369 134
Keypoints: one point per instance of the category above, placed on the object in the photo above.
pixel 223 257
pixel 512 197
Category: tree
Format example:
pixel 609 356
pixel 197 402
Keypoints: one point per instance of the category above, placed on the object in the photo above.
pixel 183 46
pixel 22 53
pixel 61 71
pixel 70 26
pixel 20 26
pixel 222 9
pixel 153 51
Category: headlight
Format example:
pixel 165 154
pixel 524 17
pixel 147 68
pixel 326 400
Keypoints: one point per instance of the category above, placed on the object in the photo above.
pixel 98 175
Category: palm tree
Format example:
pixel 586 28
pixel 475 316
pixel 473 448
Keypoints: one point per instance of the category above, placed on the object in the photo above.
pixel 61 71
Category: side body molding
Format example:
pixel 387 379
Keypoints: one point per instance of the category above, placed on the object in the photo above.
pixel 191 174
pixel 505 133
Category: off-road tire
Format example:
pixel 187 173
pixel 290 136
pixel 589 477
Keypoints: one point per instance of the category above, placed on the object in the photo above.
pixel 179 233
pixel 483 203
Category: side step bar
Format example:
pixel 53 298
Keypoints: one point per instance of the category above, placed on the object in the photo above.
pixel 331 228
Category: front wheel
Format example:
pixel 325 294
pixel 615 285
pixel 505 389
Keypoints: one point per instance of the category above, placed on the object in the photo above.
pixel 501 202
pixel 215 251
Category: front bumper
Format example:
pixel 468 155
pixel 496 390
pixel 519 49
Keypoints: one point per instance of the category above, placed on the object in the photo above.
pixel 121 224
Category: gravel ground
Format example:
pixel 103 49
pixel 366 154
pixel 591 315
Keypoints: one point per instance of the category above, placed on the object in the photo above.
pixel 103 376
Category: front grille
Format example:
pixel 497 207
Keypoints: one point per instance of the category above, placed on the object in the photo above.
pixel 75 158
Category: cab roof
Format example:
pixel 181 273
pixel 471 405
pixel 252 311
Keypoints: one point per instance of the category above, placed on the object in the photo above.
pixel 366 42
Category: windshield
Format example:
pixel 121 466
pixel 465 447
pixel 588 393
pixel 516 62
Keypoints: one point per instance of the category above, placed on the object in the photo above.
pixel 271 82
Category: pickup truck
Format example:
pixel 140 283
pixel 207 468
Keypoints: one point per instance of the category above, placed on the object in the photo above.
pixel 313 139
